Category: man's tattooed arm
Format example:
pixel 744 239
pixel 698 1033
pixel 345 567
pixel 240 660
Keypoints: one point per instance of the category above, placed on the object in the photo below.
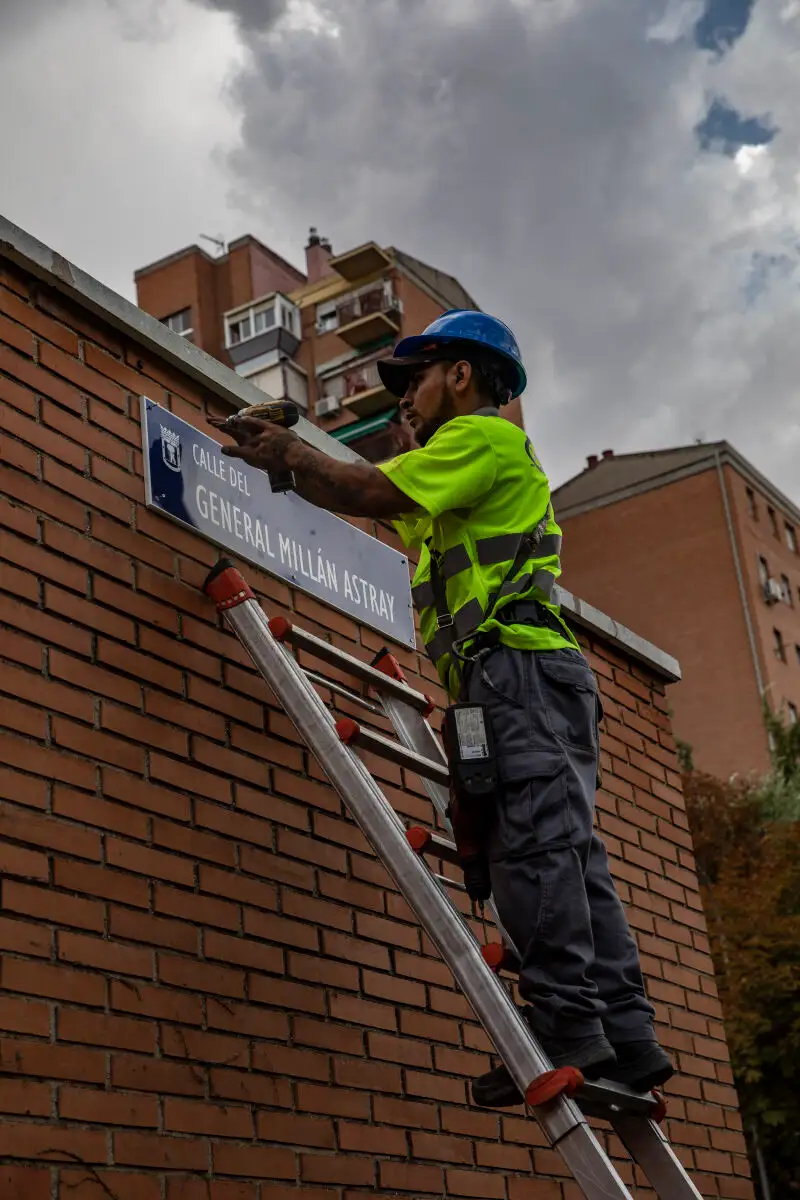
pixel 354 489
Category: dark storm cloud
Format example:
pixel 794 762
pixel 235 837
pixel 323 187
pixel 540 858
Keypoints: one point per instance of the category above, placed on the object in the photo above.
pixel 253 16
pixel 545 154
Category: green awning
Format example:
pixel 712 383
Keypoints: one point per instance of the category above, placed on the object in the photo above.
pixel 357 429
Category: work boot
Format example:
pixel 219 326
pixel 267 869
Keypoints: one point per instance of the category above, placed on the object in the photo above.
pixel 593 1056
pixel 641 1065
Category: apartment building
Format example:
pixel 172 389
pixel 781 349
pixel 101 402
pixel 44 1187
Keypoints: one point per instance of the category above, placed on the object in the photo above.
pixel 696 550
pixel 310 336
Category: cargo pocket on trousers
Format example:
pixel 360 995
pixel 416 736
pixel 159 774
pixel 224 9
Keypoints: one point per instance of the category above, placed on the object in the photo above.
pixel 533 812
pixel 570 693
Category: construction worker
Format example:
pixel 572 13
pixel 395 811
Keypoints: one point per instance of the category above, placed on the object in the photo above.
pixel 473 498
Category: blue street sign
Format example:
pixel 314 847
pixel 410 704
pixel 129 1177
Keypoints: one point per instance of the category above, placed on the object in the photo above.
pixel 231 504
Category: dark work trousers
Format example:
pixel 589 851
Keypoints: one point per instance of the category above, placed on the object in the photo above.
pixel 549 870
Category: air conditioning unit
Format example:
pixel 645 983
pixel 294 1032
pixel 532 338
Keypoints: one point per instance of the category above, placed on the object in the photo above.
pixel 773 592
pixel 327 405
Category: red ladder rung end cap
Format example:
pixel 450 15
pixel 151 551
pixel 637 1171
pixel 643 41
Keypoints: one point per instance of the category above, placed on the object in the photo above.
pixel 493 955
pixel 280 628
pixel 418 838
pixel 228 588
pixel 348 730
pixel 546 1088
pixel 430 707
pixel 388 664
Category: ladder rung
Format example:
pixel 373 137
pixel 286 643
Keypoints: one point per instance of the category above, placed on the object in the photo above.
pixel 425 841
pixel 341 690
pixel 353 734
pixel 453 883
pixel 284 631
pixel 602 1098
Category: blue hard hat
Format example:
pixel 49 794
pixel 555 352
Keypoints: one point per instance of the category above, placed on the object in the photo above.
pixel 462 329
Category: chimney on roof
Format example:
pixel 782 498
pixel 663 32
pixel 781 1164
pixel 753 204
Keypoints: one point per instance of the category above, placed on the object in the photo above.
pixel 591 461
pixel 608 454
pixel 318 253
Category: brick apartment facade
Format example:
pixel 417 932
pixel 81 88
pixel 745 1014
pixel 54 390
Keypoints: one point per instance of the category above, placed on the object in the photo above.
pixel 697 551
pixel 309 337
pixel 210 989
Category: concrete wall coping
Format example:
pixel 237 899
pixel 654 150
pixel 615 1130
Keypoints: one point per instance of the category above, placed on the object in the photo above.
pixel 52 268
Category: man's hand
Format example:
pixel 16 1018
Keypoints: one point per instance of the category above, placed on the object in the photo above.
pixel 355 489
pixel 263 444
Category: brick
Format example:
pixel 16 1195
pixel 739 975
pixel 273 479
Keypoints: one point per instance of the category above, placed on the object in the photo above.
pixel 70 368
pixel 24 1098
pixel 201 1116
pixel 24 1183
pixel 32 319
pixel 297 1130
pixel 336 1168
pixel 146 552
pixel 155 931
pixel 159 1152
pixel 120 1033
pixel 24 1016
pixel 285 994
pixel 469 1122
pixel 238 887
pixel 435 1087
pixel 367 953
pixel 123 1185
pixel 155 864
pixel 79 431
pixel 106 955
pixel 388 987
pixel 291 1061
pixel 107 1108
pixel 424 1025
pixel 326 1035
pixel 44 979
pixel 202 910
pixel 85 490
pixel 13 334
pixel 399 1049
pixel 200 977
pixel 21 937
pixel 12 393
pixel 190 778
pixel 140 794
pixel 441 1149
pixel 100 882
pixel 257 1162
pixel 23 718
pixel 250 1088
pixel 48 1143
pixel 273 928
pixel 379 929
pixel 39 561
pixel 334 1101
pixel 105 815
pixel 247 1019
pixel 318 795
pixel 145 1074
pixel 188 716
pixel 143 668
pixel 243 951
pixel 187 1188
pixel 18 519
pixel 51 1061
pixel 364 1013
pixel 411 1177
pixel 267 807
pixel 377 1077
pixel 148 1001
pixel 200 1047
pixel 83 549
pixel 324 971
pixel 268 865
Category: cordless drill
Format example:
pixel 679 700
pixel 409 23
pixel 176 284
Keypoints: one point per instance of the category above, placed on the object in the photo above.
pixel 280 412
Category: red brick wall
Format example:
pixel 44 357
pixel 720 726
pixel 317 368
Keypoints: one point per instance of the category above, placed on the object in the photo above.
pixel 662 564
pixel 209 990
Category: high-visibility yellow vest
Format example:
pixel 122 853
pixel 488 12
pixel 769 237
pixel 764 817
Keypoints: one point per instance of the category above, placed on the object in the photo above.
pixel 484 524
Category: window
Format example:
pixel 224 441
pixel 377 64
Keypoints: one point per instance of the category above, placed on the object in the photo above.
pixel 786 589
pixel 263 318
pixel 773 521
pixel 180 322
pixel 780 650
pixel 239 331
pixel 763 570
pixel 791 538
pixel 752 511
pixel 792 713
pixel 327 317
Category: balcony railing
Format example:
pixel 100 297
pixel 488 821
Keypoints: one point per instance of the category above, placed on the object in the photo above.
pixel 358 388
pixel 363 316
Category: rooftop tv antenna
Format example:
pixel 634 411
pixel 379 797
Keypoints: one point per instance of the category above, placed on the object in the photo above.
pixel 219 242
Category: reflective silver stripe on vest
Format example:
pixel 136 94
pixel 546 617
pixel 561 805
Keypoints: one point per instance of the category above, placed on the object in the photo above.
pixel 490 550
pixel 543 580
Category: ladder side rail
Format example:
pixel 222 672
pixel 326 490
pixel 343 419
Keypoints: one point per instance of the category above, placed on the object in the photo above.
pixel 563 1123
pixel 649 1149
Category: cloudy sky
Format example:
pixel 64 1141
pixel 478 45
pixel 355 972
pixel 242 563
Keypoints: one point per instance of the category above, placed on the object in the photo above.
pixel 617 180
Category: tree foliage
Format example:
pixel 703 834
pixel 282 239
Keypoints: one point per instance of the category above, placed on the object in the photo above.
pixel 747 843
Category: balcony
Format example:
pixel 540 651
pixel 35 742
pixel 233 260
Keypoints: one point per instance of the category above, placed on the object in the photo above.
pixel 358 388
pixel 368 259
pixel 267 325
pixel 365 316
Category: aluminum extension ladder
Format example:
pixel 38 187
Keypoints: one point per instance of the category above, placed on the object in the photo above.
pixel 561 1114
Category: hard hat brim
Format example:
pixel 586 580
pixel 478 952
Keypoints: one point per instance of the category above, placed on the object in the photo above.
pixel 395 373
